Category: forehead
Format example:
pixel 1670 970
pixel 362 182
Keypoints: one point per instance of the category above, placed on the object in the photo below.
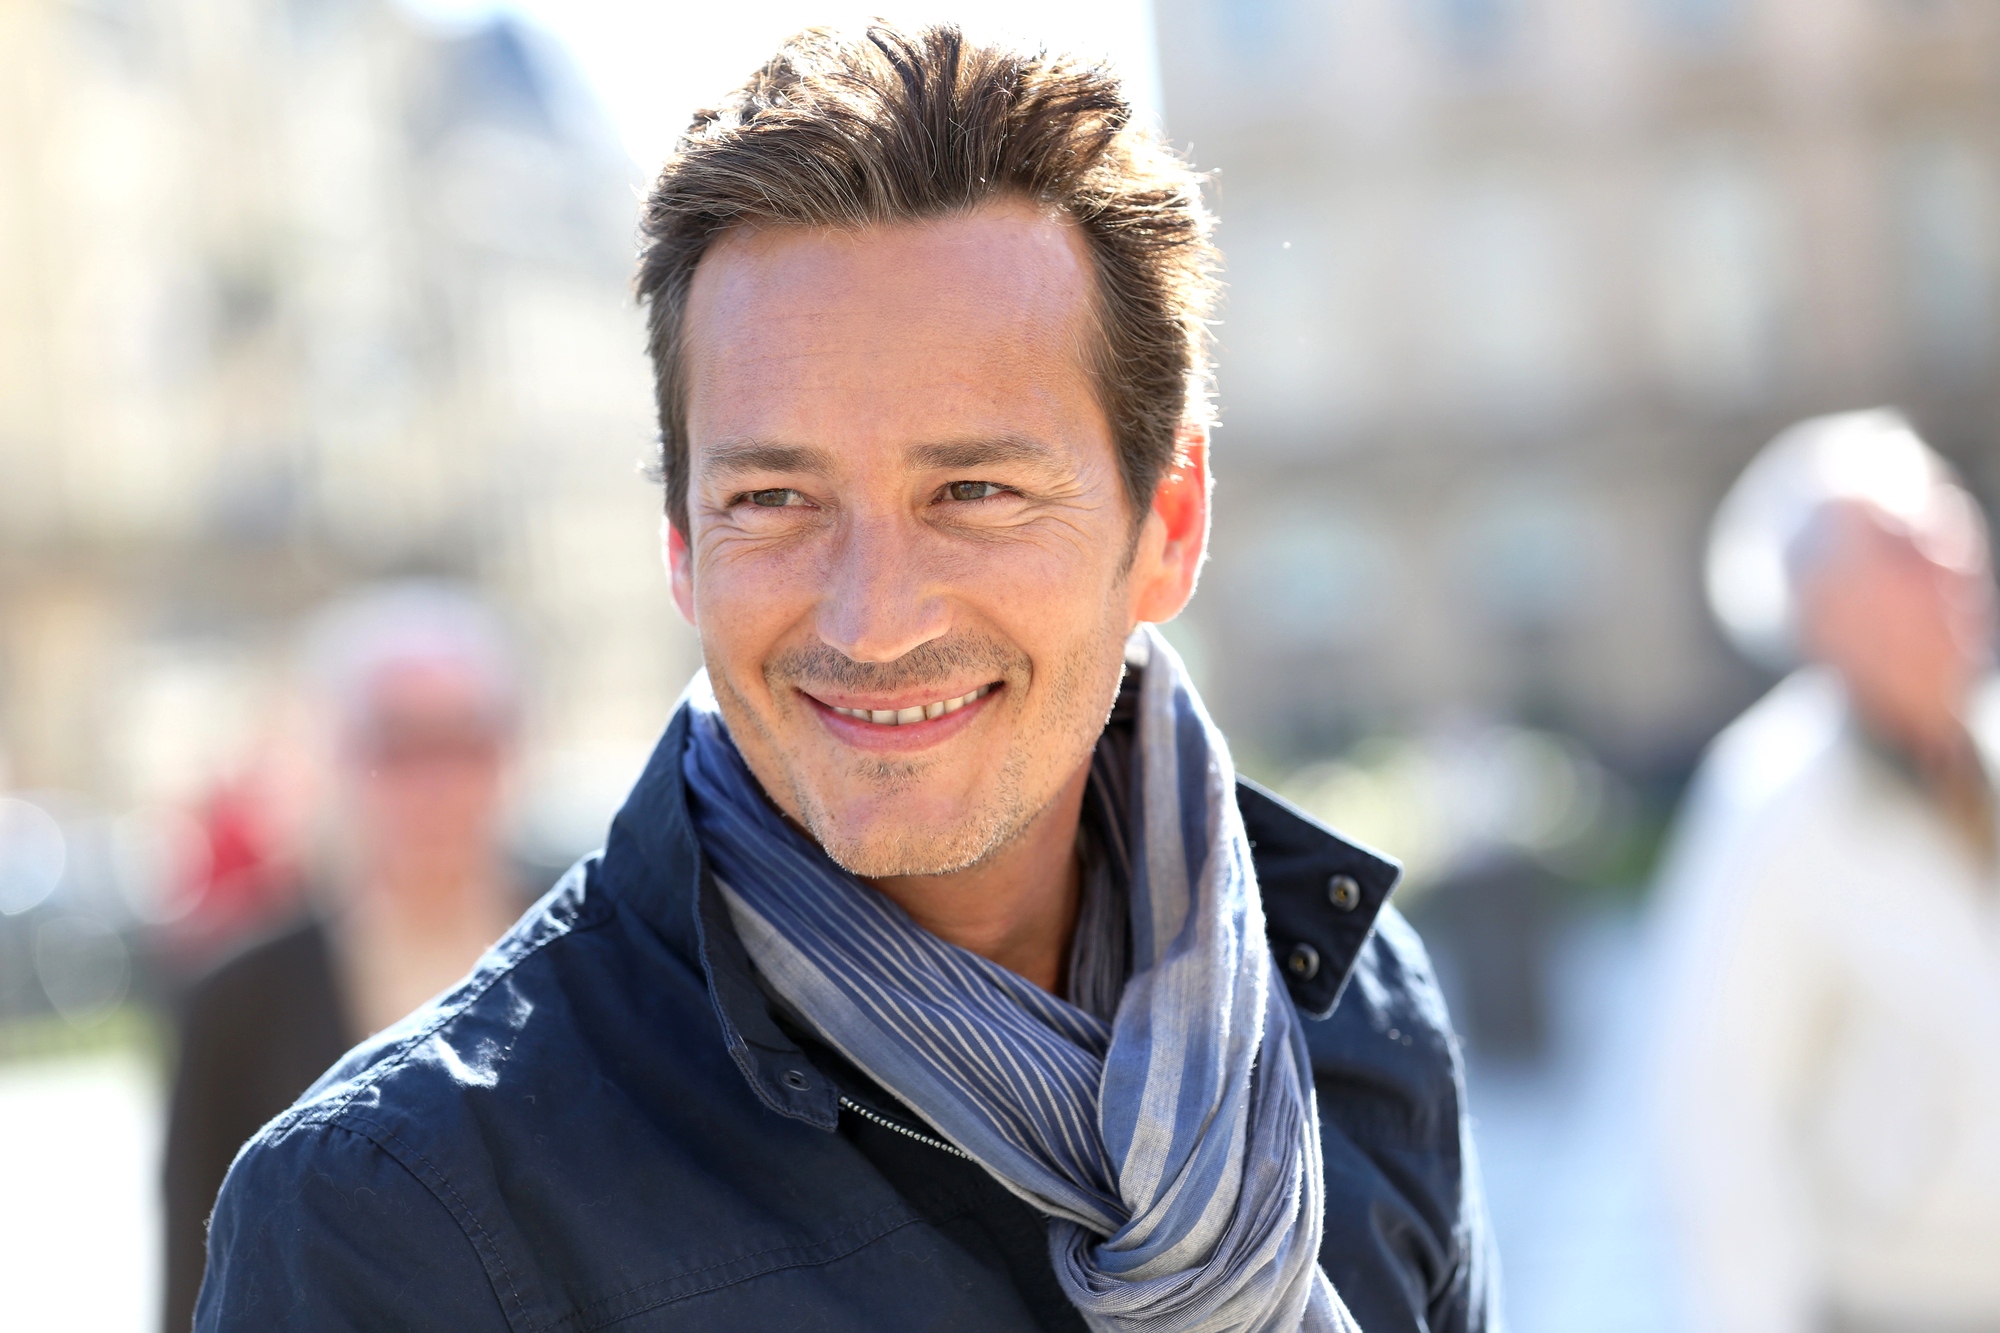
pixel 1947 530
pixel 969 324
pixel 424 687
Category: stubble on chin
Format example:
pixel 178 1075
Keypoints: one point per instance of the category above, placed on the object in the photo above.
pixel 887 847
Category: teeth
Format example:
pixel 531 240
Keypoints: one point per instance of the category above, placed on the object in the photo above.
pixel 896 717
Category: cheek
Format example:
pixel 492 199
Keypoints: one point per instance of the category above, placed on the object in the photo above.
pixel 1973 612
pixel 745 595
pixel 1876 604
pixel 417 793
pixel 1070 616
pixel 1051 591
pixel 1904 630
pixel 1923 608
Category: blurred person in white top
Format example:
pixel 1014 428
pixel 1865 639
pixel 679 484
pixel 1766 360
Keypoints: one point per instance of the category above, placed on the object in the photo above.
pixel 1831 1052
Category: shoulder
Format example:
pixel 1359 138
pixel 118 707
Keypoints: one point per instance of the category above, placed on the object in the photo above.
pixel 275 960
pixel 1776 741
pixel 1769 779
pixel 272 1006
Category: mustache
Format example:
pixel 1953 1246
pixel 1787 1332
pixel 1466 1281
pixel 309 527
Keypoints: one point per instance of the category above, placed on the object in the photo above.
pixel 934 663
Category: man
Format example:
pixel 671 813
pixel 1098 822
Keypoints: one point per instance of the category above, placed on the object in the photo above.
pixel 926 979
pixel 420 701
pixel 1832 1076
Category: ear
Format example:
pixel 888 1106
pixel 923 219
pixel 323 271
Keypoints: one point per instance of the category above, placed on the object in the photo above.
pixel 1174 538
pixel 680 567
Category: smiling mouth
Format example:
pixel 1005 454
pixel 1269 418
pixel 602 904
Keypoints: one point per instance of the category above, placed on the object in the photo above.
pixel 901 717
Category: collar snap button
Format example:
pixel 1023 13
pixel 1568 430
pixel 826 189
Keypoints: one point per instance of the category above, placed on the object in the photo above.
pixel 1303 962
pixel 797 1081
pixel 1344 892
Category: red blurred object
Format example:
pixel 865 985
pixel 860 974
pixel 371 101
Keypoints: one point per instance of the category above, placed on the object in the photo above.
pixel 248 877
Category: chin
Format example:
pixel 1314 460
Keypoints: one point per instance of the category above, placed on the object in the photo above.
pixel 882 837
pixel 889 848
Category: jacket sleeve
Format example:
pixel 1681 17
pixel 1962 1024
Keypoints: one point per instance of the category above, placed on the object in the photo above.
pixel 318 1230
pixel 1407 1241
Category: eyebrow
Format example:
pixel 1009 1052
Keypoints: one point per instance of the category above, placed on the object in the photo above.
pixel 738 457
pixel 756 456
pixel 960 455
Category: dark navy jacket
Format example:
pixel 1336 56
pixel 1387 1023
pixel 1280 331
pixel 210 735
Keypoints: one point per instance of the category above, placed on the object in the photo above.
pixel 607 1126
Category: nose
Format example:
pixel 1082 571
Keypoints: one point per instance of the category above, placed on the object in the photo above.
pixel 879 599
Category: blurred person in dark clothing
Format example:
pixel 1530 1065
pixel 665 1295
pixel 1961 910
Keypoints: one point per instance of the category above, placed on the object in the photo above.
pixel 420 700
pixel 1831 1089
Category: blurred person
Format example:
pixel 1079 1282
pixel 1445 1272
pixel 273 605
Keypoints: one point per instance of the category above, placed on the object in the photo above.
pixel 938 972
pixel 420 701
pixel 1831 1089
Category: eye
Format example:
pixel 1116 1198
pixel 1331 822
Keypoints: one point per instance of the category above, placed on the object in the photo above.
pixel 972 490
pixel 775 498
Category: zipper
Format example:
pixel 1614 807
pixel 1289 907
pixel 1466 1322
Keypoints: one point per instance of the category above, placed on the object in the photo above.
pixel 887 1123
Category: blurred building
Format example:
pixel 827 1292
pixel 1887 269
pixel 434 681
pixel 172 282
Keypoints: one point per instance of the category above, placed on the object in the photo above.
pixel 295 293
pixel 1515 289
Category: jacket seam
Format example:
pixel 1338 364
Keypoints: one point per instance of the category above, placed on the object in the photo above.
pixel 456 1205
pixel 583 1316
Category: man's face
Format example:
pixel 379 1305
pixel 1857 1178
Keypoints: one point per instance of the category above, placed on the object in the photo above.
pixel 424 766
pixel 909 552
pixel 1904 614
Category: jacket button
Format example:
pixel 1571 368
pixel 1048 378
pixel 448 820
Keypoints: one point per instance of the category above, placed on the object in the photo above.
pixel 1344 891
pixel 795 1080
pixel 1303 962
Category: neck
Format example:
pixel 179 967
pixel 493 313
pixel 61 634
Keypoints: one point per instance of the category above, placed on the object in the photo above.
pixel 1930 736
pixel 423 895
pixel 1018 907
pixel 406 931
pixel 1936 748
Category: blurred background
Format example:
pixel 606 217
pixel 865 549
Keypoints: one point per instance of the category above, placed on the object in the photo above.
pixel 296 295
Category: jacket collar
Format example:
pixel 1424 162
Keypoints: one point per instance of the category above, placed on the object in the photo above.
pixel 1322 895
pixel 653 860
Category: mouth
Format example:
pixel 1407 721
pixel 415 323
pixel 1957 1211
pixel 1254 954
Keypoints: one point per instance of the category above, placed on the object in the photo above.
pixel 903 717
pixel 905 727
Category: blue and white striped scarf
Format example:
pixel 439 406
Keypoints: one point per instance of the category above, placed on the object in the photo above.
pixel 1174 1147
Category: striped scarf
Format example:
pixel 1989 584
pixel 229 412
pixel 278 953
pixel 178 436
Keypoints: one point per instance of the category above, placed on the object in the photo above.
pixel 1164 1122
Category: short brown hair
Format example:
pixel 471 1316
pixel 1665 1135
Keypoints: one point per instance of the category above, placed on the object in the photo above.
pixel 890 125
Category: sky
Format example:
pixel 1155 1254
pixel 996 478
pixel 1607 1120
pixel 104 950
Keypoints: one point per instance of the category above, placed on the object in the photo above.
pixel 652 63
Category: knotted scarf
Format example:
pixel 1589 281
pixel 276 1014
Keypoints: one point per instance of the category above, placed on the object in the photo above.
pixel 1170 1136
